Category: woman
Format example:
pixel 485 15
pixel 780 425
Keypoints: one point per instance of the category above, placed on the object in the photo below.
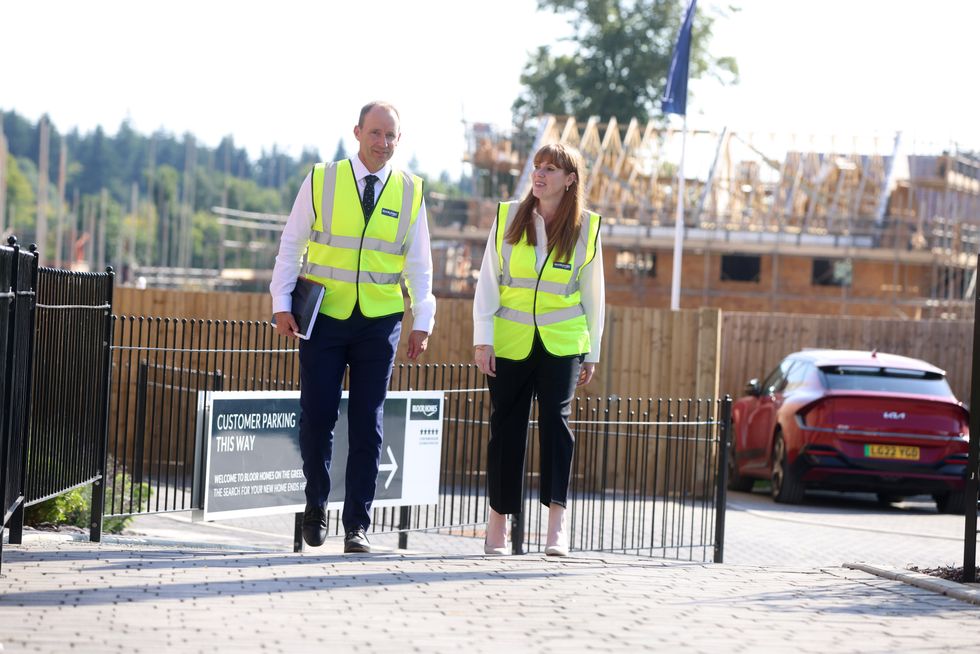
pixel 537 323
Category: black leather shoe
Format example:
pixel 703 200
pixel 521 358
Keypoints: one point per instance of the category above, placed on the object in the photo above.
pixel 315 524
pixel 356 541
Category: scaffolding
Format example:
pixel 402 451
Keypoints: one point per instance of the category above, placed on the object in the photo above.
pixel 871 198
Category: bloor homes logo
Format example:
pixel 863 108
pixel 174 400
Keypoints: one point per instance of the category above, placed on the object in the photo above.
pixel 424 410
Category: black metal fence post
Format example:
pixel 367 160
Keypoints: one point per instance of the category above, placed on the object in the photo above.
pixel 297 532
pixel 13 457
pixel 17 520
pixel 142 372
pixel 15 529
pixel 517 533
pixel 721 497
pixel 973 459
pixel 7 492
pixel 404 521
pixel 99 485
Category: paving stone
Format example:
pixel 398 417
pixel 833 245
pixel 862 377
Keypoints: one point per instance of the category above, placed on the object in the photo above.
pixel 78 596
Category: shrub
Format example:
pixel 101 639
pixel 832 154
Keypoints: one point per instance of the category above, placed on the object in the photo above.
pixel 71 508
pixel 74 507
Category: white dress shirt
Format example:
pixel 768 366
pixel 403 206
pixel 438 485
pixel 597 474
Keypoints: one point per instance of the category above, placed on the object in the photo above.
pixel 487 298
pixel 296 234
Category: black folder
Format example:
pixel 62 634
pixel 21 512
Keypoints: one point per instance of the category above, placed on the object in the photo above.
pixel 307 296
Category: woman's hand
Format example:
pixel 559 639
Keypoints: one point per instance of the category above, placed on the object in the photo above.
pixel 485 360
pixel 585 374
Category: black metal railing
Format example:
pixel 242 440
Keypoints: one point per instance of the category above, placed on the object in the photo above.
pixel 70 392
pixel 159 366
pixel 18 275
pixel 647 477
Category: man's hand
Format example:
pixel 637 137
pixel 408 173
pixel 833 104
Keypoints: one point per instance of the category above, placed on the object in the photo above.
pixel 286 324
pixel 585 374
pixel 486 360
pixel 417 342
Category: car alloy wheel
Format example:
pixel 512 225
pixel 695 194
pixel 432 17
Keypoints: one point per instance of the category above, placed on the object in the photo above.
pixel 786 488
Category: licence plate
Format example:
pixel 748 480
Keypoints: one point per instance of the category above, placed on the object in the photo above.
pixel 905 452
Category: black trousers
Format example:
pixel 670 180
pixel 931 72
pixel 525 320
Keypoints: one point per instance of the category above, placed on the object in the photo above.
pixel 552 379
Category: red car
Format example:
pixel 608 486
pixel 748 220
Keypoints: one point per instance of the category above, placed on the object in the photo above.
pixel 852 421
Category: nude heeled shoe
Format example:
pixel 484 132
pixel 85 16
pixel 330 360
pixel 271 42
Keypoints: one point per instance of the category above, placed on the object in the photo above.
pixel 495 551
pixel 557 538
pixel 496 525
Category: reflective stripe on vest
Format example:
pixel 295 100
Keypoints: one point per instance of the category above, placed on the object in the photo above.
pixel 527 318
pixel 358 258
pixel 547 301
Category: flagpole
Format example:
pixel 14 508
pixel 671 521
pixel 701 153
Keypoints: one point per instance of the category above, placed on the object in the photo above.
pixel 675 281
pixel 675 102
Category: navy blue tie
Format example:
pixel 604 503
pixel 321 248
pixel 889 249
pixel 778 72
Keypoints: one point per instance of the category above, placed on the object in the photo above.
pixel 368 200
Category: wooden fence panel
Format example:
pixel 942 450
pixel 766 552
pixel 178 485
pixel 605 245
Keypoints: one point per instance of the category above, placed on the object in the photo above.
pixel 646 352
pixel 753 343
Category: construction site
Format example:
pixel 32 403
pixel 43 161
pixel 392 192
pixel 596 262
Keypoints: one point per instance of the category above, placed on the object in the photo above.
pixel 772 223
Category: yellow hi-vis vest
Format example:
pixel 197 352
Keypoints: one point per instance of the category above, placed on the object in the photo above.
pixel 358 258
pixel 548 302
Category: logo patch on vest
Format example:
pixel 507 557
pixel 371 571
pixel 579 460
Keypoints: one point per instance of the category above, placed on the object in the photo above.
pixel 562 265
pixel 391 213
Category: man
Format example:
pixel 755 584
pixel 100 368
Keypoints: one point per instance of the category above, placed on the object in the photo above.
pixel 362 225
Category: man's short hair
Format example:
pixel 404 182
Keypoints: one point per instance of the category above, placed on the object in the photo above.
pixel 377 103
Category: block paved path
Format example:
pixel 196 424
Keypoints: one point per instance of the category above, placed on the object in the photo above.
pixel 58 595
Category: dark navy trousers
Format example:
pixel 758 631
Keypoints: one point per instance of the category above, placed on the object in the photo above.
pixel 367 346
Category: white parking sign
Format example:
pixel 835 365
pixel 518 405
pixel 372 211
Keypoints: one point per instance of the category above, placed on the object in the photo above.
pixel 248 461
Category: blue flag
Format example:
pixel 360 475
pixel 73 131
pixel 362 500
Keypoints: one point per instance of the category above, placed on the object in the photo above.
pixel 675 95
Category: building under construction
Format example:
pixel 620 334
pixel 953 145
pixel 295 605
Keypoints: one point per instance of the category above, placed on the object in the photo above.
pixel 771 223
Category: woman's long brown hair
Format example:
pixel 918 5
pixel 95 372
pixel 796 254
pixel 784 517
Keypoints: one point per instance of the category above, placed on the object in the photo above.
pixel 563 230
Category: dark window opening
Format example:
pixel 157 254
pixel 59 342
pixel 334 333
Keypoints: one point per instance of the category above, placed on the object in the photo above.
pixel 831 272
pixel 740 268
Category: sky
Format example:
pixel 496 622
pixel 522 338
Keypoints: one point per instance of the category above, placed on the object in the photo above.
pixel 294 74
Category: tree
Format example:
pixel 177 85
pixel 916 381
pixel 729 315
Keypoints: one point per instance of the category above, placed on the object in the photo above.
pixel 98 161
pixel 21 135
pixel 341 152
pixel 130 149
pixel 443 185
pixel 21 199
pixel 620 61
pixel 231 160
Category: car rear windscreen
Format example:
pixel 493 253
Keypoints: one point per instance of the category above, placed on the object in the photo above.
pixel 888 380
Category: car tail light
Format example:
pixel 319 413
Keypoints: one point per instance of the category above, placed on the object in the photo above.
pixel 814 414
